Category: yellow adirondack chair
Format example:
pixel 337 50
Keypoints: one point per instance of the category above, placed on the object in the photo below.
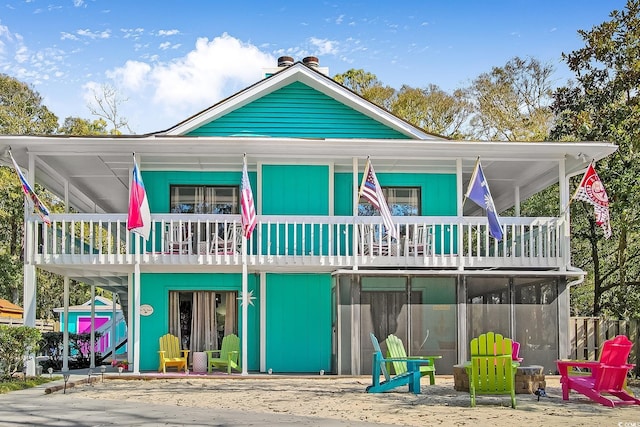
pixel 171 354
pixel 395 350
pixel 228 355
pixel 492 369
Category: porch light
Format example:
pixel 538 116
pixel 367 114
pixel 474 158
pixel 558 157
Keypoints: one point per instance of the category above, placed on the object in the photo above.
pixel 65 376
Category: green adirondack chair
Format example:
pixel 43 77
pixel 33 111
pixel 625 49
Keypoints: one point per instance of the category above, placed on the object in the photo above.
pixel 395 349
pixel 492 369
pixel 228 356
pixel 409 378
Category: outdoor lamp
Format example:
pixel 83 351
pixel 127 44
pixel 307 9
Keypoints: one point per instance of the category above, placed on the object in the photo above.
pixel 89 376
pixel 102 369
pixel 65 376
pixel 50 370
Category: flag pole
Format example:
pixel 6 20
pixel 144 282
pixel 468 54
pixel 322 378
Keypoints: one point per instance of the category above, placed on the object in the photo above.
pixel 473 175
pixel 245 297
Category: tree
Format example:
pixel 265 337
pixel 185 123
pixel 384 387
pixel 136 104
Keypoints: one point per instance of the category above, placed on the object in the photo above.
pixel 604 105
pixel 106 105
pixel 367 86
pixel 22 111
pixel 78 126
pixel 512 103
pixel 433 110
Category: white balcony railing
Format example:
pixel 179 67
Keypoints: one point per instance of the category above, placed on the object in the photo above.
pixel 278 240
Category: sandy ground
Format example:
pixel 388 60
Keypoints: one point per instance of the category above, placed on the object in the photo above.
pixel 344 398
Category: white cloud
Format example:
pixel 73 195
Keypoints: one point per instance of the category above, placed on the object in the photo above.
pixel 94 35
pixel 339 19
pixel 165 45
pixel 133 76
pixel 67 36
pixel 134 33
pixel 211 71
pixel 78 3
pixel 168 32
pixel 324 46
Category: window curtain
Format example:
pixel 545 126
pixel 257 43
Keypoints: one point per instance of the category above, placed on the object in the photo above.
pixel 174 314
pixel 203 322
pixel 231 314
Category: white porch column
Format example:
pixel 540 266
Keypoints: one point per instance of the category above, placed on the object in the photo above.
pixel 65 333
pixel 131 324
pixel 29 281
pixel 460 213
pixel 245 307
pixel 356 199
pixel 563 184
pixel 29 271
pixel 136 311
pixel 516 200
pixel 92 363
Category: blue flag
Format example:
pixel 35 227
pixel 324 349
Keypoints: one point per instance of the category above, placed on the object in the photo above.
pixel 479 192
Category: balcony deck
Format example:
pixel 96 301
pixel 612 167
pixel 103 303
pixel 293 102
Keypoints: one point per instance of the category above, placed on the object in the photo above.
pixel 206 243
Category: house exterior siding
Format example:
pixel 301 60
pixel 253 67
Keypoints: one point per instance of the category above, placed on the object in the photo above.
pixel 297 111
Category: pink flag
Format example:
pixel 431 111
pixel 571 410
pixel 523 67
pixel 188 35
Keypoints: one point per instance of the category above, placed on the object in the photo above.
pixel 591 190
pixel 249 219
pixel 370 189
pixel 139 218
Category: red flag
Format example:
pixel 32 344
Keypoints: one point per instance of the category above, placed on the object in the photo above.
pixel 592 191
pixel 249 219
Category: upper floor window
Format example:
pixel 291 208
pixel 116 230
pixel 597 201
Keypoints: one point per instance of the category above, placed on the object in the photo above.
pixel 204 199
pixel 402 201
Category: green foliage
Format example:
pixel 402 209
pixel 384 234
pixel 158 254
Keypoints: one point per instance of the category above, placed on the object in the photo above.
pixel 433 110
pixel 511 103
pixel 604 105
pixel 22 384
pixel 15 344
pixel 79 126
pixel 22 111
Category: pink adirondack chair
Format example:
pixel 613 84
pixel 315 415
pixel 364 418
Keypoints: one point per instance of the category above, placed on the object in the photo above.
pixel 607 377
pixel 515 352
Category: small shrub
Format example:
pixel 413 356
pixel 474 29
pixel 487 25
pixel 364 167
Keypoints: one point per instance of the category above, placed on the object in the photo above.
pixel 15 344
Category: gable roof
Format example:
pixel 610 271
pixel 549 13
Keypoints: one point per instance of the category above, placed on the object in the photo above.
pixel 102 305
pixel 309 77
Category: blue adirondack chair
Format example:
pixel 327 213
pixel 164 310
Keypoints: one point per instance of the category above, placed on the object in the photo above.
pixel 410 378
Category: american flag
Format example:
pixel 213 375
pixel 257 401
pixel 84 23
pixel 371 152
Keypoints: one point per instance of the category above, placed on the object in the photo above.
pixel 249 219
pixel 28 191
pixel 370 189
pixel 591 190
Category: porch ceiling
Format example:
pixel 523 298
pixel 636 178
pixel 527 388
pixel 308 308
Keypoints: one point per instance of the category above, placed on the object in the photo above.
pixel 97 169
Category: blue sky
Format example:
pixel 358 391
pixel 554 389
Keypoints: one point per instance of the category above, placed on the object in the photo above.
pixel 171 59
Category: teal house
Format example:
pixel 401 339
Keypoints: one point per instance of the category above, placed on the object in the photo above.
pixel 320 271
pixel 107 320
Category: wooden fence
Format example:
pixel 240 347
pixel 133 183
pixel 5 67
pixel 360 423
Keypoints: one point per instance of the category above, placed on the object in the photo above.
pixel 588 333
pixel 43 325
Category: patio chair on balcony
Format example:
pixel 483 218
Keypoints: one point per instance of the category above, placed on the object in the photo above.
pixel 231 243
pixel 178 238
pixel 374 242
pixel 422 241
